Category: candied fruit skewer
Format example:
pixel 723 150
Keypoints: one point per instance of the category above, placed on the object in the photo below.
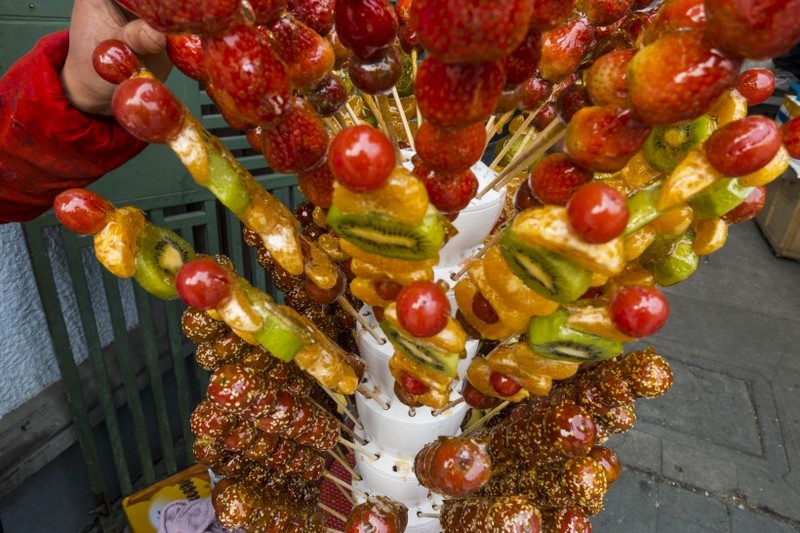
pixel 502 514
pixel 379 512
pixel 454 466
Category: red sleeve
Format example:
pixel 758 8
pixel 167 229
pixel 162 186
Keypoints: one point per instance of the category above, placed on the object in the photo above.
pixel 46 145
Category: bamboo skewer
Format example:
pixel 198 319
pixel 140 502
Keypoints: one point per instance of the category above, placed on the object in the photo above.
pixel 414 59
pixel 340 120
pixel 376 112
pixel 352 113
pixel 480 253
pixel 490 124
pixel 348 307
pixel 331 530
pixel 553 133
pixel 333 512
pixel 404 119
pixel 344 408
pixel 386 116
pixel 505 118
pixel 485 418
pixel 344 464
pixel 344 484
pixel 510 143
pixel 420 514
pixel 357 448
pixel 440 410
pixel 373 395
pixel 348 497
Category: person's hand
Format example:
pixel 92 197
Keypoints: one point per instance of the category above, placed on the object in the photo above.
pixel 94 21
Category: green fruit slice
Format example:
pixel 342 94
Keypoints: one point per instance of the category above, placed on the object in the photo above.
pixel 671 261
pixel 161 255
pixel 279 335
pixel 551 275
pixel 549 336
pixel 667 146
pixel 719 198
pixel 227 184
pixel 642 209
pixel 423 353
pixel 381 235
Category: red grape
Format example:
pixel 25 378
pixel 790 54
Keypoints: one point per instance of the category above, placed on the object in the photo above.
pixel 597 212
pixel 367 27
pixel 483 309
pixel 756 85
pixel 790 133
pixel 423 309
pixel 556 177
pixel 82 211
pixel 412 385
pixel 361 158
pixel 638 311
pixel 476 399
pixel 114 61
pixel 504 385
pixel 743 146
pixel 748 209
pixel 202 283
pixel 147 109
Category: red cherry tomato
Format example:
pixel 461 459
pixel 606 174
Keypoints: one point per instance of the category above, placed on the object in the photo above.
pixel 597 212
pixel 756 85
pixel 504 385
pixel 361 158
pixel 202 283
pixel 82 211
pixel 423 309
pixel 638 311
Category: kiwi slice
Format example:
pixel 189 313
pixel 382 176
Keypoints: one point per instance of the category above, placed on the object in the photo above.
pixel 551 337
pixel 161 254
pixel 551 275
pixel 279 334
pixel 671 260
pixel 642 209
pixel 382 235
pixel 227 183
pixel 667 146
pixel 719 198
pixel 423 353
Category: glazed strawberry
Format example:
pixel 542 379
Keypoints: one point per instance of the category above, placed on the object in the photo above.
pixel 571 100
pixel 203 17
pixel 755 29
pixel 308 57
pixel 367 27
pixel 790 133
pixel 743 146
pixel 114 61
pixel 549 14
pixel 556 177
pixel 748 209
pixel 82 211
pixel 454 96
pixel 604 138
pixel 376 76
pixel 450 150
pixel 603 12
pixel 535 92
pixel 449 192
pixel 147 109
pixel 470 31
pixel 186 52
pixel 756 85
pixel 316 14
pixel 606 79
pixel 521 64
pixel 226 108
pixel 328 96
pixel 234 388
pixel 266 11
pixel 297 142
pixel 675 16
pixel 317 185
pixel 564 48
pixel 678 77
pixel 248 77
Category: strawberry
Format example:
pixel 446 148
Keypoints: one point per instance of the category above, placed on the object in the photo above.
pixel 555 178
pixel 674 16
pixel 535 91
pixel 265 11
pixel 317 185
pixel 470 31
pixel 297 141
pixel 606 79
pixel 678 77
pixel 450 150
pixel 316 14
pixel 755 29
pixel 454 96
pixel 367 27
pixel 564 48
pixel 203 17
pixel 549 14
pixel 524 60
pixel 604 12
pixel 603 138
pixel 449 192
pixel 307 56
pixel 186 52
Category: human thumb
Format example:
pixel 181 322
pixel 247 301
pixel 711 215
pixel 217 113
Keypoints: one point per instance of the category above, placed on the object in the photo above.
pixel 143 40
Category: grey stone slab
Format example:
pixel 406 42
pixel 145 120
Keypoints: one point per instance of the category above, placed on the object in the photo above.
pixel 744 521
pixel 631 506
pixel 689 511
pixel 769 490
pixel 637 449
pixel 702 468
pixel 786 391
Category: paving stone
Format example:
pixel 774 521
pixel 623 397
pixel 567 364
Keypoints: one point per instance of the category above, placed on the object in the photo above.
pixel 768 490
pixel 743 521
pixel 688 511
pixel 637 449
pixel 631 505
pixel 700 468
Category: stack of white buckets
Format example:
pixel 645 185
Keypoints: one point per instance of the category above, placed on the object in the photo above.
pixel 394 436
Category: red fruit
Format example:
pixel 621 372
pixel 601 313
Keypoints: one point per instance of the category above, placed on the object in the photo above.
pixel 635 25
pixel 571 100
pixel 412 385
pixel 203 17
pixel 535 92
pixel 249 79
pixel 609 460
pixel 186 52
pixel 82 211
pixel 377 516
pixel 569 429
pixel 316 14
pixel 504 385
pixel 403 10
pixel 509 100
pixel 234 388
pixel 604 138
pixel 604 12
pixel 328 96
pixel 317 185
pixel 202 283
pixel 556 177
pixel 521 64
pixel 755 29
pixel 597 213
pixel 459 466
pixel 376 76
pixel 227 110
pixel 482 308
pixel 367 27
pixel 564 48
pixel 423 309
pixel 147 109
pixel 265 11
pixel 449 192
pixel 790 133
pixel 545 116
pixel 606 79
pixel 253 136
pixel 297 142
pixel 388 290
pixel 450 150
pixel 409 40
pixel 675 16
pixel 743 146
pixel 325 296
pixel 114 61
pixel 209 420
pixel 524 198
pixel 307 56
pixel 476 399
pixel 568 520
pixel 454 96
pixel 748 209
pixel 342 53
pixel 470 31
pixel 638 311
pixel 678 78
pixel 361 158
pixel 549 14
pixel 756 85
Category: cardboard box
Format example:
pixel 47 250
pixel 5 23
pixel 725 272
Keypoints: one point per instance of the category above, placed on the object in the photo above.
pixel 780 218
pixel 143 509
